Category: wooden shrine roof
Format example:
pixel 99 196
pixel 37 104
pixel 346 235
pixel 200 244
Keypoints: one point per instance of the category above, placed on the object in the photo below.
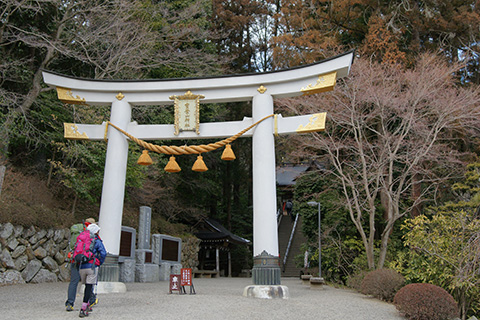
pixel 212 231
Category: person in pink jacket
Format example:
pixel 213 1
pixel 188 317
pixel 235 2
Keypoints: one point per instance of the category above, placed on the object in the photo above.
pixel 88 268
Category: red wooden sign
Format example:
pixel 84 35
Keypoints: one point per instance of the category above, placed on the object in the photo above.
pixel 175 283
pixel 186 279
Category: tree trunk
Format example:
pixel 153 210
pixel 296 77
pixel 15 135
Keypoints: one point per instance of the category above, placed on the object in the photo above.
pixel 388 228
pixel 368 242
pixel 368 245
pixel 34 92
pixel 74 206
pixel 370 256
pixel 2 176
pixel 416 192
pixel 50 171
pixel 384 245
pixel 384 200
pixel 462 303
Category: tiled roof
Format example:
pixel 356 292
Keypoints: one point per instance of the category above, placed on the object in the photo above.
pixel 286 175
pixel 218 232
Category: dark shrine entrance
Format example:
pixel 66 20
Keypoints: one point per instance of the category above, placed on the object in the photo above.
pixel 215 255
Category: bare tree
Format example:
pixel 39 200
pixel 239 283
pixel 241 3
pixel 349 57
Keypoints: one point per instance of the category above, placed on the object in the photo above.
pixel 119 38
pixel 93 38
pixel 389 130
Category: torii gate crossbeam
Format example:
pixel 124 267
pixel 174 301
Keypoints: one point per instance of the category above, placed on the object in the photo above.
pixel 260 89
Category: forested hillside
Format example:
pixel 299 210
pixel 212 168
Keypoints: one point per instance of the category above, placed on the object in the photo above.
pixel 401 129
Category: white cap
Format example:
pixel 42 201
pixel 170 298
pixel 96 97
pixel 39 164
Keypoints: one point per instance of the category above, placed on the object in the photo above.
pixel 93 228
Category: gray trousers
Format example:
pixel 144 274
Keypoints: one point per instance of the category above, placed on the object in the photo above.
pixel 72 287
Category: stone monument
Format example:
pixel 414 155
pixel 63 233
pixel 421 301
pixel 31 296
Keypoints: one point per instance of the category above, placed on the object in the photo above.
pixel 145 269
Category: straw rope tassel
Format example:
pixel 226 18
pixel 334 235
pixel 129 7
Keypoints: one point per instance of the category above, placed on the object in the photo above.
pixel 172 165
pixel 175 150
pixel 145 159
pixel 228 154
pixel 199 165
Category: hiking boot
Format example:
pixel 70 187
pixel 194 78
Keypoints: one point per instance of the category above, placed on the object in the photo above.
pixel 83 313
pixel 69 307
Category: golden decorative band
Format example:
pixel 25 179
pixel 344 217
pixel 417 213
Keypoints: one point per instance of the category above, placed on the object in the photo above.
pixel 324 83
pixel 315 123
pixel 105 138
pixel 71 132
pixel 66 96
pixel 275 125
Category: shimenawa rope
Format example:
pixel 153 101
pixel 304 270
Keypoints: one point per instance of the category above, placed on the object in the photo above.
pixel 176 150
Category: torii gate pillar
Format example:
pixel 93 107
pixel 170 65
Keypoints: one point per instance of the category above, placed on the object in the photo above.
pixel 265 233
pixel 113 190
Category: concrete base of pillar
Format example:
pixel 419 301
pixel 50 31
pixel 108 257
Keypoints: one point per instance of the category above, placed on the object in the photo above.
pixel 306 279
pixel 266 270
pixel 107 287
pixel 110 270
pixel 266 292
pixel 316 283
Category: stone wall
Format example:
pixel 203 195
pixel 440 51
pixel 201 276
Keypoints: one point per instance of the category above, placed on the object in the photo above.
pixel 33 255
pixel 190 248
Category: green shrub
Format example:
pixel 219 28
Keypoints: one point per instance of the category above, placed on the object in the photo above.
pixel 382 283
pixel 424 301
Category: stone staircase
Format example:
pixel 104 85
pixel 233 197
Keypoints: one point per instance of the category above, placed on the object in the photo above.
pixel 284 231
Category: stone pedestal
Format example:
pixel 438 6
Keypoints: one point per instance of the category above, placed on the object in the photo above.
pixel 266 270
pixel 167 268
pixel 176 268
pixel 316 283
pixel 165 271
pixel 147 272
pixel 306 279
pixel 144 256
pixel 127 270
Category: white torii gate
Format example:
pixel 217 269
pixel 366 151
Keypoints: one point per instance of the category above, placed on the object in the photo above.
pixel 260 88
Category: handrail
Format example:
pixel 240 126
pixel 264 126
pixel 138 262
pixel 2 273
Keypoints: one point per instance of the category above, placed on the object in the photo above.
pixel 290 241
pixel 279 217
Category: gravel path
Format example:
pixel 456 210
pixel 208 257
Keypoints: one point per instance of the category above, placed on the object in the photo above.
pixel 219 298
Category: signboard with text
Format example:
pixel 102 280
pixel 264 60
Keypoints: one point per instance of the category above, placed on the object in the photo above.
pixel 179 281
pixel 186 279
pixel 175 283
